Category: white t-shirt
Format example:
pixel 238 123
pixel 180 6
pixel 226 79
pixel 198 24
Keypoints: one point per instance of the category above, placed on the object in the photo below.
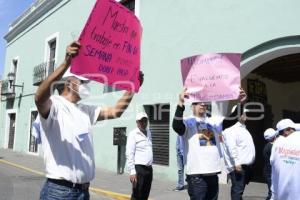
pixel 285 161
pixel 67 140
pixel 238 146
pixel 201 156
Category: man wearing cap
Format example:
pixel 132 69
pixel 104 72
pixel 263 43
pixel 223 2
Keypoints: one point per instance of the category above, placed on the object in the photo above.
pixel 66 136
pixel 285 127
pixel 285 161
pixel 139 158
pixel 239 155
pixel 202 149
pixel 270 136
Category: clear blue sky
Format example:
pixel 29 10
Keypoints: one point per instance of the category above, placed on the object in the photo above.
pixel 9 11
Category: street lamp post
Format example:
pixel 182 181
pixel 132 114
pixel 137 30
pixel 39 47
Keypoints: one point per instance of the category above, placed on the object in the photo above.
pixel 11 78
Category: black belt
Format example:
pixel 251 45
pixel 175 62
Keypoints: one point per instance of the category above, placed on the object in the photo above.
pixel 145 166
pixel 81 186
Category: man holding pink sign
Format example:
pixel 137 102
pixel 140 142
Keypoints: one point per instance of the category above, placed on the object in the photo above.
pixel 66 131
pixel 205 79
pixel 203 153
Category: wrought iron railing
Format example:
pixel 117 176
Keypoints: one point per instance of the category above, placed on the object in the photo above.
pixel 6 89
pixel 41 71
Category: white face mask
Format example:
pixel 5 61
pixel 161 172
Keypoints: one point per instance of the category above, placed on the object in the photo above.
pixel 84 90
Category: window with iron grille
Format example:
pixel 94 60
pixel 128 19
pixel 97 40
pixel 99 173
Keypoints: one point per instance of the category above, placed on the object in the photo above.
pixel 52 49
pixel 33 146
pixel 15 64
pixel 159 123
pixel 12 130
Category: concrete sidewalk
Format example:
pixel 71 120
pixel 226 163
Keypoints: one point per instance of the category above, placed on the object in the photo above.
pixel 115 186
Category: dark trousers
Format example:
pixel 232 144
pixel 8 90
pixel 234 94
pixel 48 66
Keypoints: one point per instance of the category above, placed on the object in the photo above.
pixel 269 183
pixel 239 181
pixel 203 187
pixel 141 190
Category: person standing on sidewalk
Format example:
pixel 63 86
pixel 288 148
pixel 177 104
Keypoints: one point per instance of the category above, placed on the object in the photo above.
pixel 285 161
pixel 139 158
pixel 66 137
pixel 270 137
pixel 180 163
pixel 202 149
pixel 240 155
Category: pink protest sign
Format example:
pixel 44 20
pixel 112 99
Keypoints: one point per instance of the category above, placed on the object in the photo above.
pixel 212 77
pixel 110 47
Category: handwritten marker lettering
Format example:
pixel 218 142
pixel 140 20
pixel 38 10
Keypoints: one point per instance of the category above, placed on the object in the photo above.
pixel 110 44
pixel 101 39
pixel 212 77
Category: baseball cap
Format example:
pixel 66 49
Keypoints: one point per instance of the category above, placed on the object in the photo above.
pixel 285 123
pixel 141 115
pixel 68 73
pixel 269 134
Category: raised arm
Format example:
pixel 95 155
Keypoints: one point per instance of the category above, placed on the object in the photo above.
pixel 42 96
pixel 233 117
pixel 178 124
pixel 121 105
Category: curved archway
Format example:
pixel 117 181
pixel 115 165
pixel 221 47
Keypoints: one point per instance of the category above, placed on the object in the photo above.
pixel 253 59
pixel 256 56
pixel 264 68
pixel 260 54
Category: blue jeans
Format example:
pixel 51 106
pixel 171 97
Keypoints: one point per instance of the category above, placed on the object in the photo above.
pixel 52 191
pixel 180 166
pixel 239 181
pixel 203 187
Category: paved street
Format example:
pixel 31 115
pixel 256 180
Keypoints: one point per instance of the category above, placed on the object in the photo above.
pixel 18 184
pixel 21 178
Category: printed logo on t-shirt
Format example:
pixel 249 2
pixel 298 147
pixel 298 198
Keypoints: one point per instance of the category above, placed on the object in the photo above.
pixel 289 156
pixel 205 134
pixel 206 138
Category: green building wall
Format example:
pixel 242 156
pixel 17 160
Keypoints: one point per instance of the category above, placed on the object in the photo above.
pixel 172 29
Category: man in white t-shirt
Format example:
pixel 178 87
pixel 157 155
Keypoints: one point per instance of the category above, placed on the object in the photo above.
pixel 66 136
pixel 202 148
pixel 285 161
pixel 239 154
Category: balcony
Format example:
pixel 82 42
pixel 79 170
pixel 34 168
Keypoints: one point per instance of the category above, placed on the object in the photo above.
pixel 42 71
pixel 6 90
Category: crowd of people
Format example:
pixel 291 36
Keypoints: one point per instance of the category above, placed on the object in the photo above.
pixel 203 142
pixel 204 147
